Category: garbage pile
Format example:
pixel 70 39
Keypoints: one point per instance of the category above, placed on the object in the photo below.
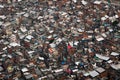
pixel 59 40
